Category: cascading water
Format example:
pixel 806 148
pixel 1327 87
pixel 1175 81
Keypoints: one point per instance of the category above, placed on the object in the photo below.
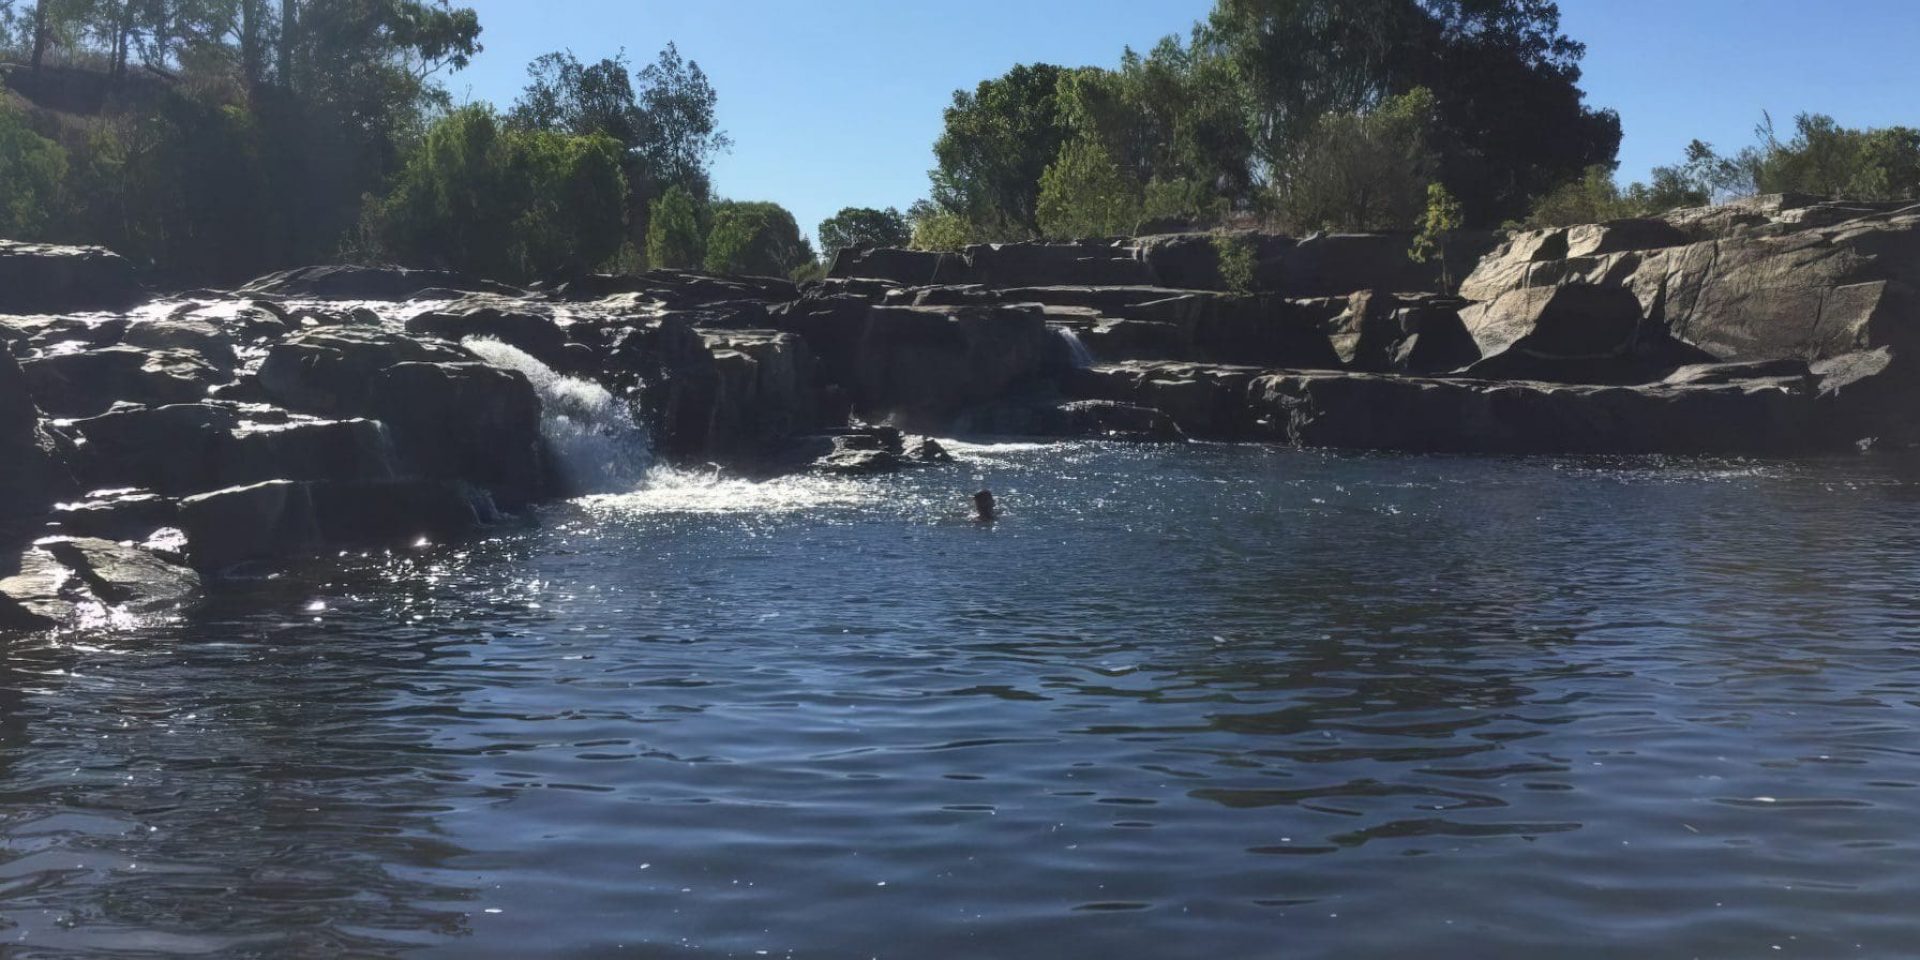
pixel 592 435
pixel 1076 348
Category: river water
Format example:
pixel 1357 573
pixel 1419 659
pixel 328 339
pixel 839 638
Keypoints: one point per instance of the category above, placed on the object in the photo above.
pixel 1184 702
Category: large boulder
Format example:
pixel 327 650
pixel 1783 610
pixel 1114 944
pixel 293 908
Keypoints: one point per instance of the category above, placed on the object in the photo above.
pixel 351 282
pixel 1578 333
pixel 1074 419
pixel 41 278
pixel 464 421
pixel 667 365
pixel 87 383
pixel 1254 329
pixel 330 372
pixel 1097 263
pixel 767 387
pixel 1400 333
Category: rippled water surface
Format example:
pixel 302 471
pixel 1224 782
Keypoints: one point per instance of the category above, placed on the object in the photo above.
pixel 1207 702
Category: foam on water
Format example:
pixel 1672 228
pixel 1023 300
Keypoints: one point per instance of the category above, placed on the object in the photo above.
pixel 670 490
pixel 592 435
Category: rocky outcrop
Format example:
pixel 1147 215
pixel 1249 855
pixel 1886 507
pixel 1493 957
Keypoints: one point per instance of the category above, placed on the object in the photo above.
pixel 1398 333
pixel 46 279
pixel 1772 280
pixel 531 332
pixel 331 372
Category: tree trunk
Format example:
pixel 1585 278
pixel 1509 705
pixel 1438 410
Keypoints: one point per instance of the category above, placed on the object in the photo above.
pixel 39 33
pixel 289 28
pixel 251 56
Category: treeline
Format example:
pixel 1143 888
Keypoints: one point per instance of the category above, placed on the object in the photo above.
pixel 1347 115
pixel 219 139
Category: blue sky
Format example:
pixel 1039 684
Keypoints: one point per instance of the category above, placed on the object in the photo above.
pixel 836 103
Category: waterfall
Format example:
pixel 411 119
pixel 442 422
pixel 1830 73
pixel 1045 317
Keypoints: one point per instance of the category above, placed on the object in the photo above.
pixel 1076 348
pixel 596 445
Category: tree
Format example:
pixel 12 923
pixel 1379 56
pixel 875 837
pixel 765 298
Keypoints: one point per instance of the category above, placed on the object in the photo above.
pixel 1364 171
pixel 755 238
pixel 681 137
pixel 675 238
pixel 864 227
pixel 1085 194
pixel 1511 118
pixel 997 142
pixel 513 204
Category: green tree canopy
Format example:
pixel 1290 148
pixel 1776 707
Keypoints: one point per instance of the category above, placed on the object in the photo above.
pixel 1086 194
pixel 511 204
pixel 756 239
pixel 864 227
pixel 676 238
pixel 1364 171
pixel 998 141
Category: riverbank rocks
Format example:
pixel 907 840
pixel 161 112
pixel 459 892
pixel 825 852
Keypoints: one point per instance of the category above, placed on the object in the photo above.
pixel 67 582
pixel 927 364
pixel 353 282
pixel 29 473
pixel 464 421
pixel 513 324
pixel 1424 415
pixel 88 383
pixel 46 279
pixel 1382 332
pixel 279 519
pixel 331 372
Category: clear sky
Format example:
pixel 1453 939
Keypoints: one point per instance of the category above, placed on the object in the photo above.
pixel 835 103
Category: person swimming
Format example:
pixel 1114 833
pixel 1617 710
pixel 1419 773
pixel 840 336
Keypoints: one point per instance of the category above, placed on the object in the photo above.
pixel 983 506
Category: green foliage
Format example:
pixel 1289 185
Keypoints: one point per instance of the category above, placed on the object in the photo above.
pixel 1437 226
pixel 935 228
pixel 663 117
pixel 998 141
pixel 511 204
pixel 1596 198
pixel 1829 160
pixel 1238 258
pixel 807 272
pixel 864 227
pixel 1363 171
pixel 676 239
pixel 1511 121
pixel 33 171
pixel 1085 194
pixel 755 239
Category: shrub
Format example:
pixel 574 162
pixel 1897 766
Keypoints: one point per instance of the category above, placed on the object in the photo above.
pixel 675 238
pixel 1085 194
pixel 1237 261
pixel 33 171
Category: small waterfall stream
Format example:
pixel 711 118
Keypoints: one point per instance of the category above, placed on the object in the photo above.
pixel 1076 348
pixel 594 440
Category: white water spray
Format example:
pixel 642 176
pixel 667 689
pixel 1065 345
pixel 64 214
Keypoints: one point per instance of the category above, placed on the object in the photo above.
pixel 1076 348
pixel 592 435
